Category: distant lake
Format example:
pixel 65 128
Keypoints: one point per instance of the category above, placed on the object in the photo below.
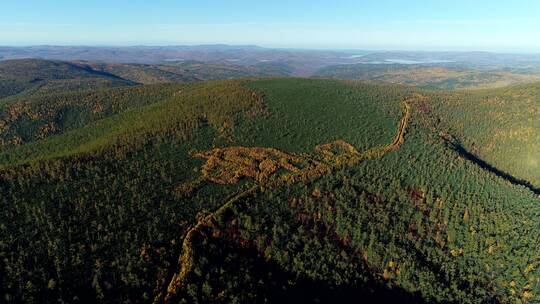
pixel 174 59
pixel 406 61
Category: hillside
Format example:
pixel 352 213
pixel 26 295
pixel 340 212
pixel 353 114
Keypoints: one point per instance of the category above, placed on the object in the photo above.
pixel 499 126
pixel 259 190
pixel 43 98
pixel 139 73
pixel 31 118
pixel 434 76
pixel 186 71
pixel 35 76
pixel 217 71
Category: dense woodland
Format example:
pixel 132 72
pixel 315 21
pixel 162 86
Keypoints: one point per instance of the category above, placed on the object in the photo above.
pixel 106 196
pixel 500 126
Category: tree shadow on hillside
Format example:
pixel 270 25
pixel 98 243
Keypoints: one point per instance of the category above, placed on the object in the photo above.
pixel 240 273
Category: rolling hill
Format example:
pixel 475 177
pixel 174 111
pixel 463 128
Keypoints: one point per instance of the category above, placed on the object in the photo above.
pixel 187 71
pixel 259 190
pixel 443 76
pixel 35 76
pixel 38 77
pixel 301 62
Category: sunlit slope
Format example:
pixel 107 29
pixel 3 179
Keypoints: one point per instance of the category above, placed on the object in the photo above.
pixel 296 116
pixel 470 232
pixel 500 126
pixel 305 113
pixel 174 111
pixel 422 222
pixel 27 119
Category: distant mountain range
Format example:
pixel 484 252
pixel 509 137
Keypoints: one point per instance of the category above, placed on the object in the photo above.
pixel 38 76
pixel 300 62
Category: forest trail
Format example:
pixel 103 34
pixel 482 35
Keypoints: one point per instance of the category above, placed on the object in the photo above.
pixel 186 260
pixel 399 138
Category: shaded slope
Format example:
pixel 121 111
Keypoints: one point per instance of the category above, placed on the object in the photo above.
pixel 36 76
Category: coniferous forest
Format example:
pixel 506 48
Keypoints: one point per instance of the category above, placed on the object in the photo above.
pixel 132 183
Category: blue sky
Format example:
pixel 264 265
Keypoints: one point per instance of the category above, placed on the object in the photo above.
pixel 376 24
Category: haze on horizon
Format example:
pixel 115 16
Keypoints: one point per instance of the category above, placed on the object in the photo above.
pixel 504 26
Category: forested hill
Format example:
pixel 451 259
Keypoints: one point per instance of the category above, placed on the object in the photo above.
pixel 187 71
pixel 267 191
pixel 42 76
pixel 438 76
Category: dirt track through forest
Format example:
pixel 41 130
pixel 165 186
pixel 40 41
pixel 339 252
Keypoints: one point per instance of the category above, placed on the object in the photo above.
pixel 186 260
pixel 399 139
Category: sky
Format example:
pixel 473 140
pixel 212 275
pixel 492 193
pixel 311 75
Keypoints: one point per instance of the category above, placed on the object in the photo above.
pixel 331 24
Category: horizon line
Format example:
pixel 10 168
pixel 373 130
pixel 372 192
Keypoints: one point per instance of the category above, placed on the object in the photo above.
pixel 307 48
